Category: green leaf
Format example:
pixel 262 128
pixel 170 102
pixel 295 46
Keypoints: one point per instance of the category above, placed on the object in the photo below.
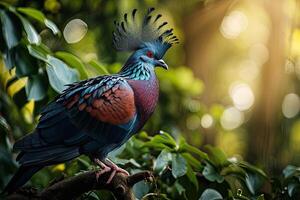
pixel 4 126
pixel 192 176
pixel 233 169
pixel 10 82
pixel 36 87
pixel 40 52
pixel 10 30
pixel 140 189
pixel 83 162
pixel 52 26
pixel 261 197
pixel 162 161
pixel 192 161
pixel 155 196
pixel 211 174
pixel 8 57
pixel 217 156
pixel 289 171
pixel 34 13
pixel 251 168
pixel 179 188
pixel 134 163
pixel 254 182
pixel 191 149
pixel 38 15
pixel 91 196
pixel 60 74
pixel 163 138
pixel 99 67
pixel 169 139
pixel 210 194
pixel 293 188
pixel 179 167
pixel 25 64
pixel 157 146
pixel 121 161
pixel 32 35
pixel 74 62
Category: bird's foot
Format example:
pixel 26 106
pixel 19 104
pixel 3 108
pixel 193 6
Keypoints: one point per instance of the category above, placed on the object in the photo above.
pixel 103 170
pixel 114 170
pixel 109 166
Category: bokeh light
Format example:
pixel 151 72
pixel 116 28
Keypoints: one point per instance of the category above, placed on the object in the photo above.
pixel 231 118
pixel 241 95
pixel 291 105
pixel 207 121
pixel 259 53
pixel 193 122
pixel 249 70
pixel 75 30
pixel 234 24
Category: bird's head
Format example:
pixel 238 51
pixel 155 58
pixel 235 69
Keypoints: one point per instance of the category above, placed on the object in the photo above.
pixel 149 54
pixel 146 37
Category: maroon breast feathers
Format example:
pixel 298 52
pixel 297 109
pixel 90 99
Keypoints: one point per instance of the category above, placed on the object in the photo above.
pixel 146 94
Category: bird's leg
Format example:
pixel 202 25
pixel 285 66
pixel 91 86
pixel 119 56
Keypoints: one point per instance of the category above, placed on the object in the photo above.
pixel 104 168
pixel 114 169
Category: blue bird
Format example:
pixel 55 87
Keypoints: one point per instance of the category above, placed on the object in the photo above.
pixel 95 116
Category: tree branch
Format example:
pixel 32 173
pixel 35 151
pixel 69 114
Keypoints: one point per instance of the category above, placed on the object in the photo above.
pixel 70 188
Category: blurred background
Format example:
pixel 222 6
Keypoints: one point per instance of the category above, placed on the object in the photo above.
pixel 233 80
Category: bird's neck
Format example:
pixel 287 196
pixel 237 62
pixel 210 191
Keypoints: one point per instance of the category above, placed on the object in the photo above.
pixel 146 97
pixel 137 71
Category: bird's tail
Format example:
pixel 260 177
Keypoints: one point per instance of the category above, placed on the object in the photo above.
pixel 23 174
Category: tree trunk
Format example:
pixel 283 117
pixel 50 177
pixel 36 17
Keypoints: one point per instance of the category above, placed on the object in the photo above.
pixel 264 126
pixel 200 28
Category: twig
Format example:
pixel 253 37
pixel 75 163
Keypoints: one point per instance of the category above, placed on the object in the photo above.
pixel 73 187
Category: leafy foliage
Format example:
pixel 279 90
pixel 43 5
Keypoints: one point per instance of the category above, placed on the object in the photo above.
pixel 181 170
pixel 31 58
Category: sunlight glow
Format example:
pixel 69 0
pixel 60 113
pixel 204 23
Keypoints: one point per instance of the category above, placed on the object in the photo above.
pixel 249 70
pixel 289 67
pixel 234 24
pixel 231 118
pixel 241 95
pixel 75 30
pixel 291 105
pixel 259 53
pixel 207 121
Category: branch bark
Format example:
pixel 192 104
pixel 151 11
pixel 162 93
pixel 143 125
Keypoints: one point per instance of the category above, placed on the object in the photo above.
pixel 70 188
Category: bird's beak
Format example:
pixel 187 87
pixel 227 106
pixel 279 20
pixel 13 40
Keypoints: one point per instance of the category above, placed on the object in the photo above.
pixel 161 63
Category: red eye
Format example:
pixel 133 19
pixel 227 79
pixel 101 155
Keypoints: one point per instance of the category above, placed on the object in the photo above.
pixel 150 54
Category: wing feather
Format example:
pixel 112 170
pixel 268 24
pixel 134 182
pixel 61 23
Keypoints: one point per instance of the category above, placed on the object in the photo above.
pixel 108 99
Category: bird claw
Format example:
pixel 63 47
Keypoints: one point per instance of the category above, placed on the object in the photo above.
pixel 115 169
pixel 102 171
pixel 103 167
pixel 99 163
pixel 109 166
